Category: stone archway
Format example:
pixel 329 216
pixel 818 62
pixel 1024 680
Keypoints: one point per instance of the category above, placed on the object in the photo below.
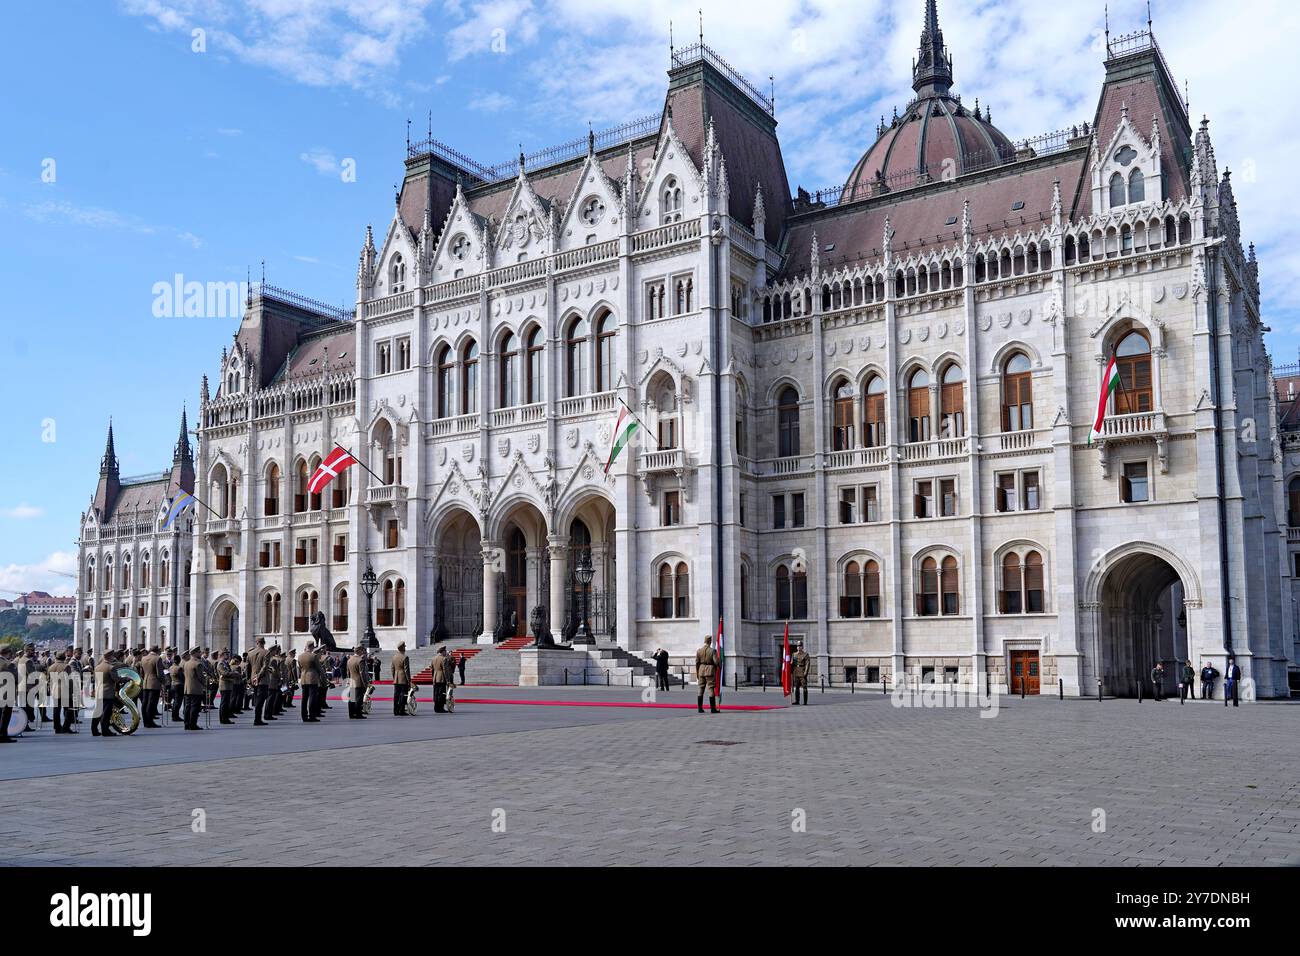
pixel 458 578
pixel 1142 621
pixel 223 629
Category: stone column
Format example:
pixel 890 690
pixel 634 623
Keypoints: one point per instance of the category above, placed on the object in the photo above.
pixel 559 546
pixel 491 568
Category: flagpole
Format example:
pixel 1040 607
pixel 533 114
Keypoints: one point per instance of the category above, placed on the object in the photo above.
pixel 654 437
pixel 361 463
pixel 198 499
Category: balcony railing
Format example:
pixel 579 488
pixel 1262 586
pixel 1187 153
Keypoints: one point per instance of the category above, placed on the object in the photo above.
pixel 587 404
pixel 460 425
pixel 669 459
pixel 386 494
pixel 1136 425
pixel 857 458
pixel 221 525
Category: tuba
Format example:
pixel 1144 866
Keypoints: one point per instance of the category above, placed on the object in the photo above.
pixel 126 712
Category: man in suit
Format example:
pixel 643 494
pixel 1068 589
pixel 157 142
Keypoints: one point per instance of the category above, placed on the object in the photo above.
pixel 1231 682
pixel 105 696
pixel 151 686
pixel 309 676
pixel 195 671
pixel 8 691
pixel 661 669
pixel 800 665
pixel 1208 676
pixel 259 674
pixel 401 680
pixel 357 676
pixel 442 665
pixel 706 674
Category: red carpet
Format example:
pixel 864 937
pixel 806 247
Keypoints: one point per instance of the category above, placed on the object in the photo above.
pixel 577 703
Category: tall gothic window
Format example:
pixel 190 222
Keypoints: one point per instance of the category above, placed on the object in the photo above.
pixel 874 433
pixel 575 365
pixel 918 407
pixel 533 385
pixel 787 422
pixel 1136 186
pixel 1117 191
pixel 1017 394
pixel 1133 360
pixel 509 385
pixel 446 377
pixel 469 379
pixel 605 329
pixel 842 416
pixel 952 402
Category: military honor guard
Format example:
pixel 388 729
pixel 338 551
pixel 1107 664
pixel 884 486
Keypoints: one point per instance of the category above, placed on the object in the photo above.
pixel 176 676
pixel 195 671
pixel 800 664
pixel 357 678
pixel 442 673
pixel 401 680
pixel 310 677
pixel 706 674
pixel 105 696
pixel 8 691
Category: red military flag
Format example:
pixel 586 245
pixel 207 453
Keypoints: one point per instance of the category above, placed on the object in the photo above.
pixel 785 661
pixel 334 464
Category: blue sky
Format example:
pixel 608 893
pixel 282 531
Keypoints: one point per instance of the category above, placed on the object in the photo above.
pixel 169 160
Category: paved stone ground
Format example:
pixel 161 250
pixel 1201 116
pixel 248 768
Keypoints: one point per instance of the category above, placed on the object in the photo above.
pixel 1193 785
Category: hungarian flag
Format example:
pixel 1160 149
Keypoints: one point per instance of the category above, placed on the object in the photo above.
pixel 329 469
pixel 177 507
pixel 785 661
pixel 624 428
pixel 1109 382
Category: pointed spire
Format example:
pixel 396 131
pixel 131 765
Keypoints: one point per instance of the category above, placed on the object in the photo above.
pixel 932 72
pixel 1056 203
pixel 108 464
pixel 815 258
pixel 760 215
pixel 183 452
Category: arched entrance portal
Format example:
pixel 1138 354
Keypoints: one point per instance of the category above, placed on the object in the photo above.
pixel 521 583
pixel 223 634
pixel 1143 622
pixel 590 531
pixel 458 583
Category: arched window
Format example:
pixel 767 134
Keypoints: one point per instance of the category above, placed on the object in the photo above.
pixel 682 590
pixel 1136 186
pixel 918 406
pixel 1011 584
pixel 672 200
pixel 446 376
pixel 469 379
pixel 949 586
pixel 1117 192
pixel 341 609
pixel 1292 504
pixel 938 587
pixel 308 604
pixel 340 487
pixel 533 386
pixel 575 365
pixel 1034 582
pixel 741 409
pixel 871 589
pixel 605 329
pixel 927 594
pixel 787 422
pixel 271 612
pixel 90 566
pixel 667 416
pixel 509 384
pixel 165 571
pixel 874 432
pixel 851 593
pixel 1133 361
pixel 392 604
pixel 126 571
pixel 662 604
pixel 791 594
pixel 301 477
pixel 952 402
pixel 744 591
pixel 385 442
pixel 1017 394
pixel 397 274
pixel 842 416
pixel 271 503
pixel 313 498
pixel 145 567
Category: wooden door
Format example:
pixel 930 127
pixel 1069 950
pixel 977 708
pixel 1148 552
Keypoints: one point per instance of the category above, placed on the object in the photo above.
pixel 1024 670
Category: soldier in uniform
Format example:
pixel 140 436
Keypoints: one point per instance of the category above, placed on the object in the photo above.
pixel 401 680
pixel 309 676
pixel 442 665
pixel 196 689
pixel 30 677
pixel 61 694
pixel 799 666
pixel 259 675
pixel 706 674
pixel 176 674
pixel 357 675
pixel 8 691
pixel 226 680
pixel 105 696
pixel 151 686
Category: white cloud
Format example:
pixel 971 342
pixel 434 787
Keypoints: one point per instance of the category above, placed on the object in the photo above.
pixel 24 511
pixel 496 26
pixel 62 212
pixel 322 159
pixel 490 102
pixel 42 576
pixel 310 260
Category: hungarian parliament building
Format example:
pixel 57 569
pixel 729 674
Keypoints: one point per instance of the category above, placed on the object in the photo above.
pixel 865 414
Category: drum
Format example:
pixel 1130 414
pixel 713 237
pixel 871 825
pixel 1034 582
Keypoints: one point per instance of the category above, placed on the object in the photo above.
pixel 411 701
pixel 17 723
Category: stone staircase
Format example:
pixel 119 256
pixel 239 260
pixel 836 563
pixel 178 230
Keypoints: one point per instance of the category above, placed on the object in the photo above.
pixel 500 664
pixel 620 667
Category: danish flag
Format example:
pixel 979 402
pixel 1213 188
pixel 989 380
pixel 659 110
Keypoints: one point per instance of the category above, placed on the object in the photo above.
pixel 329 469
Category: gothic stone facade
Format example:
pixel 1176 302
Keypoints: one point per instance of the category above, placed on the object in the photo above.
pixel 865 413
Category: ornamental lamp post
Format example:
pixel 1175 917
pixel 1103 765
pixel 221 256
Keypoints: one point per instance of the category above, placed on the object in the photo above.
pixel 369 585
pixel 585 572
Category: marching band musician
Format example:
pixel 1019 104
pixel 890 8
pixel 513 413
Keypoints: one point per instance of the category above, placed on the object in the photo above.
pixel 226 681
pixel 177 676
pixel 8 691
pixel 401 680
pixel 357 674
pixel 309 673
pixel 260 678
pixel 276 697
pixel 196 688
pixel 61 694
pixel 105 695
pixel 30 679
pixel 152 677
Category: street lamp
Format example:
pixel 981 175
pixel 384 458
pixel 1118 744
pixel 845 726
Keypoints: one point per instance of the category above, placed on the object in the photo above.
pixel 585 572
pixel 369 585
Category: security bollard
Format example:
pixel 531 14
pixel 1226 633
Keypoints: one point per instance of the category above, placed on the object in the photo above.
pixel 1060 684
pixel 566 677
pixel 852 686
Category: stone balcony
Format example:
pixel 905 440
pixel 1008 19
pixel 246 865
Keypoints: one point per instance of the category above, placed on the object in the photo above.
pixel 386 495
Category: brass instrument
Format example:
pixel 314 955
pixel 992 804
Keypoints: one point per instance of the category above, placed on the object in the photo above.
pixel 125 718
pixel 365 699
pixel 410 700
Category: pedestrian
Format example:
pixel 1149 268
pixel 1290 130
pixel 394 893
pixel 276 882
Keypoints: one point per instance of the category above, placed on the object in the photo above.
pixel 706 675
pixel 1158 681
pixel 1231 682
pixel 460 666
pixel 1208 676
pixel 661 669
pixel 1187 686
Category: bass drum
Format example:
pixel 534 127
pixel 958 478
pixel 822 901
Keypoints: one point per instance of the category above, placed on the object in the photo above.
pixel 411 702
